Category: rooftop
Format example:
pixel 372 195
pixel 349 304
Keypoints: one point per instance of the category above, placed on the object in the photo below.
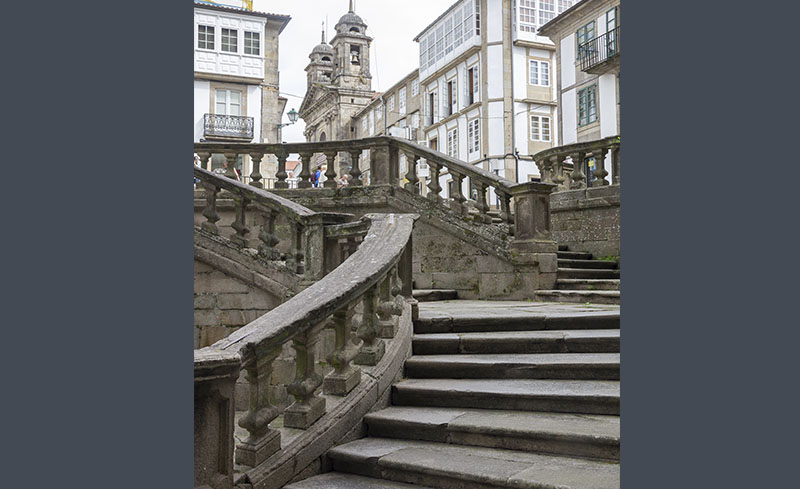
pixel 239 10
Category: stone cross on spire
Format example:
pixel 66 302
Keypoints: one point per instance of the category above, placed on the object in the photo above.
pixel 352 10
pixel 323 33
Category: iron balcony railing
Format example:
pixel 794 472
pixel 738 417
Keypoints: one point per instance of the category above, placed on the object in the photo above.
pixel 600 49
pixel 228 126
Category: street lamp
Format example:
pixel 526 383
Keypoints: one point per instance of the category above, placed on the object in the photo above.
pixel 292 119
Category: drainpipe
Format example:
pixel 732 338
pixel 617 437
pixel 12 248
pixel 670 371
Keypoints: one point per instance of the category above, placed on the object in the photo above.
pixel 513 111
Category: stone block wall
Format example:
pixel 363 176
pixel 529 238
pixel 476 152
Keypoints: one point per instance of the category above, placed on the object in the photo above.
pixel 587 220
pixel 223 304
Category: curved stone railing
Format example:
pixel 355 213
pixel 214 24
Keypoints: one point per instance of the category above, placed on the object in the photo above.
pixel 306 251
pixel 384 168
pixel 366 293
pixel 567 176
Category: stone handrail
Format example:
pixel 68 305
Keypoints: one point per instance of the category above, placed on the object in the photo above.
pixel 555 170
pixel 384 169
pixel 366 293
pixel 306 226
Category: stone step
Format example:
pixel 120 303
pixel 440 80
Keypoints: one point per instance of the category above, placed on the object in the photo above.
pixel 565 434
pixel 587 273
pixel 587 284
pixel 341 480
pixel 567 341
pixel 563 248
pixel 579 296
pixel 589 366
pixel 562 396
pixel 454 466
pixel 574 255
pixel 430 295
pixel 463 316
pixel 592 264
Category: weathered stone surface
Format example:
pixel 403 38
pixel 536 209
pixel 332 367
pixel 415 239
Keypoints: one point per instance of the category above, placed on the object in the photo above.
pixel 337 480
pixel 592 366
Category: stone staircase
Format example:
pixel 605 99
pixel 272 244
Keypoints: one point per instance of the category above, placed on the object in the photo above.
pixel 582 278
pixel 497 395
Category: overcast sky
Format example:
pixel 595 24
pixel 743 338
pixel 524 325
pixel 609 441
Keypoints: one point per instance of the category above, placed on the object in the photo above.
pixel 392 24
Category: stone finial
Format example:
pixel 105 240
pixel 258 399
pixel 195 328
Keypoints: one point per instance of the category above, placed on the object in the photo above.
pixel 323 33
pixel 352 9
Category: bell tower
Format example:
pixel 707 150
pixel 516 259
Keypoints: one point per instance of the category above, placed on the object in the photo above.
pixel 320 67
pixel 351 49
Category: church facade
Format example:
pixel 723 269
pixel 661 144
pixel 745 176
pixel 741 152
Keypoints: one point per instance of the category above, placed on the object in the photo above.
pixel 339 84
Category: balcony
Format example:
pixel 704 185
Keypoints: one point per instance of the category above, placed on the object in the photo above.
pixel 236 127
pixel 601 54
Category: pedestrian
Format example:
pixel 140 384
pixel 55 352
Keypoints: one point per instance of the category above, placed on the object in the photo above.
pixel 196 163
pixel 317 174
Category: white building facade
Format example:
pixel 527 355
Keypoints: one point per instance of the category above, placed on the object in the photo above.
pixel 488 85
pixel 236 78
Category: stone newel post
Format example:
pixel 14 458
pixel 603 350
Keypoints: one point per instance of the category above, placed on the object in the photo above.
pixel 533 244
pixel 215 374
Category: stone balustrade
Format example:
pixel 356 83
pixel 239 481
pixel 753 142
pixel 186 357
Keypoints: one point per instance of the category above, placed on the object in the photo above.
pixel 361 299
pixel 555 169
pixel 385 154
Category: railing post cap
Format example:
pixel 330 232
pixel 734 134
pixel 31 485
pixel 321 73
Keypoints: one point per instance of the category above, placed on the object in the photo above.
pixel 532 187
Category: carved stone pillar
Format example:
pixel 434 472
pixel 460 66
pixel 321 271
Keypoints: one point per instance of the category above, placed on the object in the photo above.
pixel 262 441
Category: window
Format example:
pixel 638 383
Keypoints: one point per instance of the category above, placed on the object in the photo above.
pixel 547 10
pixel 527 15
pixel 379 112
pixel 448 36
pixel 584 35
pixel 611 25
pixel 467 24
pixel 473 136
pixel 452 143
pixel 364 125
pixel 423 53
pixel 433 107
pixel 252 43
pixel 355 55
pixel 230 40
pixel 472 85
pixel 390 104
pixel 587 105
pixel 564 5
pixel 457 32
pixel 415 88
pixel 539 73
pixel 205 37
pixel 540 128
pixel 401 101
pixel 439 42
pixel 451 104
pixel 228 102
pixel 477 17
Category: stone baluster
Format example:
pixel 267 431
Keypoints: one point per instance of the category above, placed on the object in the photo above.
pixel 558 172
pixel 397 291
pixel 387 326
pixel 373 348
pixel 344 376
pixel 230 158
pixel 294 257
pixel 355 169
pixel 482 206
pixel 330 172
pixel 411 173
pixel 578 177
pixel 239 225
pixel 615 163
pixel 281 174
pixel 255 175
pixel 600 172
pixel 210 210
pixel 308 407
pixel 505 209
pixel 205 158
pixel 457 204
pixel 433 186
pixel 267 235
pixel 305 173
pixel 262 441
